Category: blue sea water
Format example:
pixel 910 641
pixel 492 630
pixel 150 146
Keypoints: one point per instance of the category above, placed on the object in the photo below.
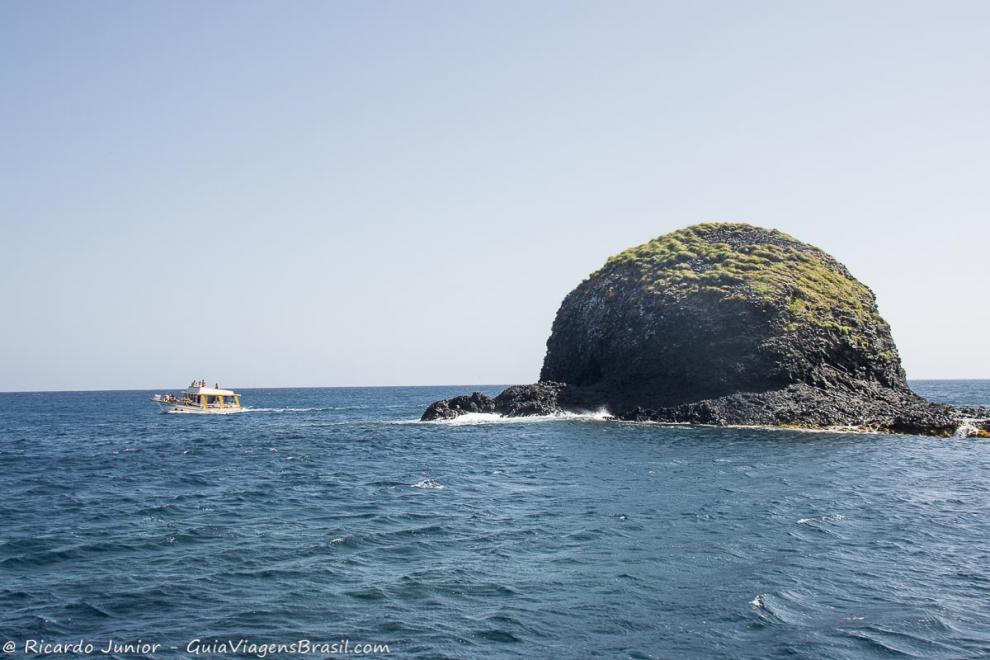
pixel 330 514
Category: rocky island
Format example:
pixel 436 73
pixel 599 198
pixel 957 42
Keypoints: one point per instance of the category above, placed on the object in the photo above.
pixel 725 324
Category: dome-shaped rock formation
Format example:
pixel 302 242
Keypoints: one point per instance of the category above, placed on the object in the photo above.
pixel 715 309
pixel 724 324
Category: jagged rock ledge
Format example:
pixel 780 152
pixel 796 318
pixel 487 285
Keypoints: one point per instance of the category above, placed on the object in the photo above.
pixel 515 401
pixel 797 406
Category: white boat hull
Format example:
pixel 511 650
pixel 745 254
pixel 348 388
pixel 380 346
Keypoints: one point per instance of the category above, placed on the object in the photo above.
pixel 178 408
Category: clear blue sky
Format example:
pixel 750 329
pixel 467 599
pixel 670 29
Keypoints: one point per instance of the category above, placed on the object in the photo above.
pixel 358 193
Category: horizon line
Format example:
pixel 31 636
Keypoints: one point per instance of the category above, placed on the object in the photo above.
pixel 280 387
pixel 346 387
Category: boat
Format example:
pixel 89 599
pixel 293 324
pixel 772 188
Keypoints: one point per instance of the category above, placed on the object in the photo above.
pixel 198 399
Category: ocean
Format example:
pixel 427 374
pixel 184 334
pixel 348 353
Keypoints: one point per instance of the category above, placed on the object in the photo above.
pixel 333 516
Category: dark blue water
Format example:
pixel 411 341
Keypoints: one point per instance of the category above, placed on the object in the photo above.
pixel 327 515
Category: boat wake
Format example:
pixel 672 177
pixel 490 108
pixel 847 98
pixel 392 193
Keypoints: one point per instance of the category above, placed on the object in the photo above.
pixel 285 410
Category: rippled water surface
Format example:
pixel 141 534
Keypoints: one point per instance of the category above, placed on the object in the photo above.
pixel 328 513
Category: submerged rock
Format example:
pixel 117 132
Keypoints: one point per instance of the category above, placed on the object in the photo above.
pixel 459 405
pixel 724 324
pixel 515 401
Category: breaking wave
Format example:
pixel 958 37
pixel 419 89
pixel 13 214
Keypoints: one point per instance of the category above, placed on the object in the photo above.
pixel 968 428
pixel 428 484
pixel 472 419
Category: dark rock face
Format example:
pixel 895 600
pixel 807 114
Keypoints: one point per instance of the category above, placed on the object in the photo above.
pixel 724 324
pixel 522 400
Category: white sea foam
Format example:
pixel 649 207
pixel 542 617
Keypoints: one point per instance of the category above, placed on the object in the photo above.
pixel 832 517
pixel 430 484
pixel 967 428
pixel 471 419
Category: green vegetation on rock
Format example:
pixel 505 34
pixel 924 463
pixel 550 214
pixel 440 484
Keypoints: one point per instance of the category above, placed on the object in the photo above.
pixel 739 261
